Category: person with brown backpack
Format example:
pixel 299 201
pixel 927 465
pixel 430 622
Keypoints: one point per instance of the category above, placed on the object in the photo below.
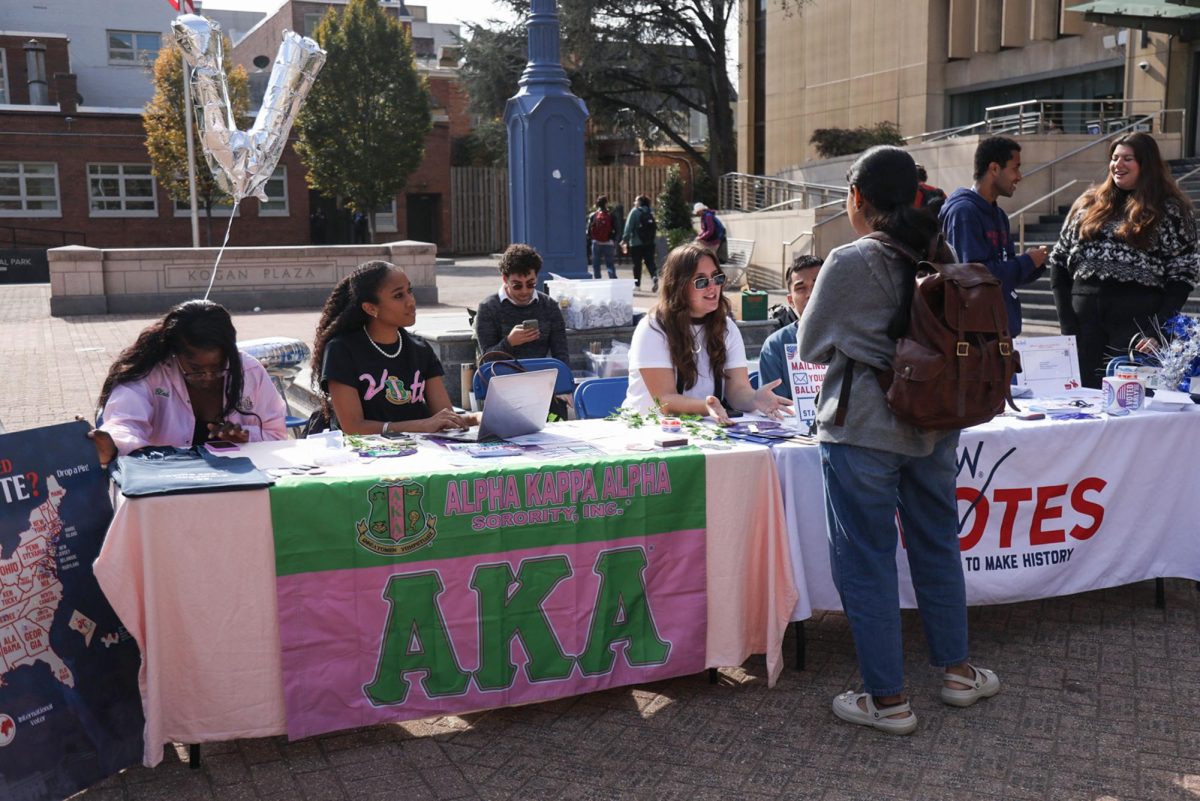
pixel 874 464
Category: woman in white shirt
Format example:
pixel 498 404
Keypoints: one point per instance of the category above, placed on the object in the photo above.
pixel 687 354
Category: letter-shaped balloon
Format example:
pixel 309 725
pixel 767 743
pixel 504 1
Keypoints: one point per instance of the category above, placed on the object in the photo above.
pixel 243 161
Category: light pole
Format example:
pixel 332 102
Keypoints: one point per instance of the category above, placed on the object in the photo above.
pixel 546 176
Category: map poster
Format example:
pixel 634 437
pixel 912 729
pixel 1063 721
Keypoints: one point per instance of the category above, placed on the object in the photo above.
pixel 70 711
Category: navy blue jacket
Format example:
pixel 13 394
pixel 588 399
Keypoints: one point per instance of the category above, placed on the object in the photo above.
pixel 978 231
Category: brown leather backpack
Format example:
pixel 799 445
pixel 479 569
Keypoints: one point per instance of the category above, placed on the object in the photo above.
pixel 954 359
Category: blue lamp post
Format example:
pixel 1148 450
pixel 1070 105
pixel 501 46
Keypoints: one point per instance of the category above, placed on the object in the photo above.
pixel 545 153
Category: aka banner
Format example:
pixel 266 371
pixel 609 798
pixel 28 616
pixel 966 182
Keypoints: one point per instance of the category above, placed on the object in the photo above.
pixel 406 597
pixel 70 712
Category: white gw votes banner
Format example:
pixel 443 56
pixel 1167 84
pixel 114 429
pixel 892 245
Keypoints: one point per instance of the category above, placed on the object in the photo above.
pixel 1045 508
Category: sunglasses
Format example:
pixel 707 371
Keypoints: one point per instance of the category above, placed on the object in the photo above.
pixel 702 282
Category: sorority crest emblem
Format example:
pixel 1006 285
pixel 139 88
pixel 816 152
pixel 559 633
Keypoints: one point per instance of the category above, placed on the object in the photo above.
pixel 397 522
pixel 397 393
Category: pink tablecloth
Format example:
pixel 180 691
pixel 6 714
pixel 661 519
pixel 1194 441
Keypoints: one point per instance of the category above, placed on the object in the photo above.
pixel 193 579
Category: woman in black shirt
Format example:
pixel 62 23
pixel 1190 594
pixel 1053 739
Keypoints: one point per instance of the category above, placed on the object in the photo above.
pixel 377 377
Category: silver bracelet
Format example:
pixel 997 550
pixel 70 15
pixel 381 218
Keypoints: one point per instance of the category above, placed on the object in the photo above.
pixel 385 428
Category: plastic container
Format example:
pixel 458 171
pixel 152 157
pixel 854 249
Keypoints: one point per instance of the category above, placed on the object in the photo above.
pixel 594 303
pixel 608 365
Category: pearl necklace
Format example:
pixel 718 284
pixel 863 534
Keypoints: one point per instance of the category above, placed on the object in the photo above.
pixel 382 352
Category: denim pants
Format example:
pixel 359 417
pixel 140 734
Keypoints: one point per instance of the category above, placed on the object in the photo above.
pixel 864 490
pixel 607 250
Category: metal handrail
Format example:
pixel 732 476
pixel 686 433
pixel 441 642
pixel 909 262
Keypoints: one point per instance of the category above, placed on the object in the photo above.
pixel 810 233
pixel 1186 175
pixel 1020 213
pixel 1105 137
pixel 748 193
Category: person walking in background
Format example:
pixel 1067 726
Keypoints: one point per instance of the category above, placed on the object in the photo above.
pixel 876 466
pixel 362 230
pixel 638 240
pixel 929 197
pixel 1126 259
pixel 712 232
pixel 602 233
pixel 772 359
pixel 978 228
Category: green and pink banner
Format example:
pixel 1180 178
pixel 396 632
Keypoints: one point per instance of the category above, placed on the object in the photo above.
pixel 421 595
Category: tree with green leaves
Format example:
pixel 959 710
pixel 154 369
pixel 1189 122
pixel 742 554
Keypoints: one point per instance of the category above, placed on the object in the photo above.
pixel 673 213
pixel 362 129
pixel 642 66
pixel 166 137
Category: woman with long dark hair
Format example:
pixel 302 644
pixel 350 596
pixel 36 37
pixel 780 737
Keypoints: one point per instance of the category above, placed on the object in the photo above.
pixel 1126 259
pixel 687 355
pixel 875 466
pixel 376 377
pixel 182 382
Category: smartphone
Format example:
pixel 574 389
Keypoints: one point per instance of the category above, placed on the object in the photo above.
pixel 397 435
pixel 530 325
pixel 220 446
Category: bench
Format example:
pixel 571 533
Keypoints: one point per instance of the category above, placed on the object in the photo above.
pixel 735 266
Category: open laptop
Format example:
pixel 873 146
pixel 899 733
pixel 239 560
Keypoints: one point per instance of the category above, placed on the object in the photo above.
pixel 517 403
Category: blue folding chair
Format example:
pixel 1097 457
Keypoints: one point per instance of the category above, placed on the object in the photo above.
pixel 564 383
pixel 600 397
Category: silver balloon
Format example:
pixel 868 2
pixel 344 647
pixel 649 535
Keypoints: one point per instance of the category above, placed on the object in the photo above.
pixel 242 161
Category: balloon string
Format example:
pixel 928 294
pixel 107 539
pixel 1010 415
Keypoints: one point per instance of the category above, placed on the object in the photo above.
pixel 221 252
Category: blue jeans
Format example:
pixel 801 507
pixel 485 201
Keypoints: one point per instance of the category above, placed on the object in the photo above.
pixel 608 250
pixel 864 490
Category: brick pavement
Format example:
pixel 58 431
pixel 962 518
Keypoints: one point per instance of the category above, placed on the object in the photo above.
pixel 1099 700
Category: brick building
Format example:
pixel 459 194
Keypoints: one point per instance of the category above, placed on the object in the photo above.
pixel 74 171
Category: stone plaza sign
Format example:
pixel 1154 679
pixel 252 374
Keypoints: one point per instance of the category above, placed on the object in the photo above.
pixel 190 276
pixel 138 280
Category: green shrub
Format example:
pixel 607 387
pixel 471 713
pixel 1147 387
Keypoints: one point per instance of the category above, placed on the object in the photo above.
pixel 832 142
pixel 678 236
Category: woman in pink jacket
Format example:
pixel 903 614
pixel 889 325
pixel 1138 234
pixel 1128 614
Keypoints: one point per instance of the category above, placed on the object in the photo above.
pixel 183 382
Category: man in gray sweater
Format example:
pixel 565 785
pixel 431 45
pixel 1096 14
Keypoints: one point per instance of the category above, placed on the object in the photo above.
pixel 518 319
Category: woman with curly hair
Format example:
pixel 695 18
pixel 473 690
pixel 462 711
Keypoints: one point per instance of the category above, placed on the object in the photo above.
pixel 182 382
pixel 1125 261
pixel 687 355
pixel 376 377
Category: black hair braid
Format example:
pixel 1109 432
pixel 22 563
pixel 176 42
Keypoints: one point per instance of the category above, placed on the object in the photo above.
pixel 199 324
pixel 343 312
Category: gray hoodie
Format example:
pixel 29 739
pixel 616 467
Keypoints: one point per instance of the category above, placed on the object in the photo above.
pixel 857 293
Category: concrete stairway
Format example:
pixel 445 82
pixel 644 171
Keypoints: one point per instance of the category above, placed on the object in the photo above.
pixel 1037 302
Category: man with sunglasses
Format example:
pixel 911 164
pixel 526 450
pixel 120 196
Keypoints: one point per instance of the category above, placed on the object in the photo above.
pixel 519 320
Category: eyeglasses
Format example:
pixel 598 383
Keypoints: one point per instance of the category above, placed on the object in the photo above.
pixel 703 281
pixel 203 375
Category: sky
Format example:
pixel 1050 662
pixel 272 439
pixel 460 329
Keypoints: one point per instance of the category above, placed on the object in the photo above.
pixel 459 11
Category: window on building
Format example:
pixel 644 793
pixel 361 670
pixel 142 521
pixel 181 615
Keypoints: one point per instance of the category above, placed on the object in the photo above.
pixel 133 48
pixel 276 189
pixel 385 218
pixel 3 76
pixel 29 189
pixel 311 21
pixel 121 190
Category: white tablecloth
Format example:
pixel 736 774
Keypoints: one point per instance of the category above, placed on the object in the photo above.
pixel 1067 506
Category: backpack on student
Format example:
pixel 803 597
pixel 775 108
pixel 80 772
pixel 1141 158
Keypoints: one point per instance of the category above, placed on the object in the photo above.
pixel 600 227
pixel 954 359
pixel 720 226
pixel 647 227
